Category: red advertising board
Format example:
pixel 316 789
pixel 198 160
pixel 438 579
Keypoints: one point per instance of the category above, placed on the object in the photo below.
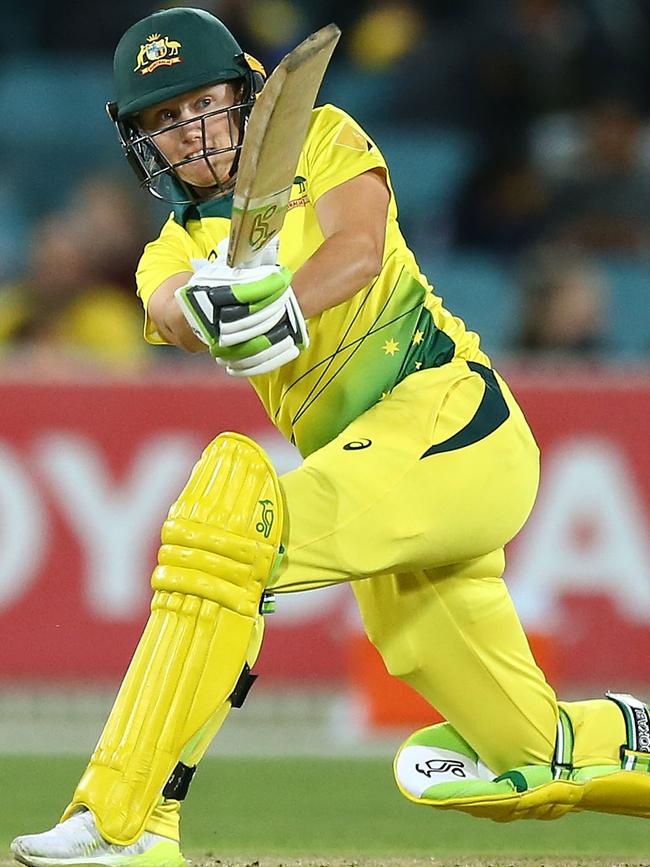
pixel 580 570
pixel 88 470
pixel 87 473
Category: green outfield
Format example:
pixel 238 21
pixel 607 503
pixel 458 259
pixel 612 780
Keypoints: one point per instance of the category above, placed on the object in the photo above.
pixel 326 811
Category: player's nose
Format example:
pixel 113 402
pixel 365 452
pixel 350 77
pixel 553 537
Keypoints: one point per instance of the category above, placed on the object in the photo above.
pixel 192 130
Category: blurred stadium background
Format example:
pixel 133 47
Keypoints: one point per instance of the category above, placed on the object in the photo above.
pixel 517 133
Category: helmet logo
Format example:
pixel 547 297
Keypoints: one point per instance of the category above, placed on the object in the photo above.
pixel 157 51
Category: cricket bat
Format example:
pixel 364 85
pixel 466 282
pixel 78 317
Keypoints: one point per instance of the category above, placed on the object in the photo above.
pixel 276 131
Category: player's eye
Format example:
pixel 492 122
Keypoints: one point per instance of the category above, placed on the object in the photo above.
pixel 157 121
pixel 205 101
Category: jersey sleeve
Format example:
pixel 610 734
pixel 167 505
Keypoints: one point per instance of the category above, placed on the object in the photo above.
pixel 337 149
pixel 169 254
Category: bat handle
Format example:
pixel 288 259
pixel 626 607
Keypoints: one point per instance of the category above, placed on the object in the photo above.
pixel 266 255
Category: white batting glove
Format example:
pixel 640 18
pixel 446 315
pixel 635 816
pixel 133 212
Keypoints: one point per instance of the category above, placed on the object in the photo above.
pixel 249 317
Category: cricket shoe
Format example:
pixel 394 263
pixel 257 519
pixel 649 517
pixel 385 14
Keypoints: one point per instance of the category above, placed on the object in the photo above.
pixel 77 841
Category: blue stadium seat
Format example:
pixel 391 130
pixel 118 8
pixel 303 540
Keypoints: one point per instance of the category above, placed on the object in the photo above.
pixel 52 101
pixel 364 95
pixel 629 332
pixel 13 231
pixel 480 289
pixel 427 166
pixel 56 129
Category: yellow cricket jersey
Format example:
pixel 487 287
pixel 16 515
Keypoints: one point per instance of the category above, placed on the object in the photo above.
pixel 360 349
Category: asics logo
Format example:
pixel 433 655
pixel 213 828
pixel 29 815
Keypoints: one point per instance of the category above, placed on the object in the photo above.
pixel 357 445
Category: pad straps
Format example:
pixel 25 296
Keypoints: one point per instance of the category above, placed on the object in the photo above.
pixel 635 754
pixel 562 764
pixel 178 784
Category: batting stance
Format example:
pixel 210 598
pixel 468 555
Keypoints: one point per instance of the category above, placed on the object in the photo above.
pixel 419 467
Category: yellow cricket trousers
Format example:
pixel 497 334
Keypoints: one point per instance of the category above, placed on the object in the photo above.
pixel 413 503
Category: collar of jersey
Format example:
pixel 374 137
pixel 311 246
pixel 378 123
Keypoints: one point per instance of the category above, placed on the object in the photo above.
pixel 221 207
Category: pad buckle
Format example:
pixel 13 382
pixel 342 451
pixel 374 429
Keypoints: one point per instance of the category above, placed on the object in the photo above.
pixel 179 782
pixel 268 603
pixel 562 764
pixel 242 687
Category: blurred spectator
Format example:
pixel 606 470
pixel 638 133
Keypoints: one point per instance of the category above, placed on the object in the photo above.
pixel 276 27
pixel 75 304
pixel 111 228
pixel 267 29
pixel 566 297
pixel 602 188
pixel 79 29
pixel 552 94
pixel 522 57
pixel 505 205
pixel 617 57
pixel 385 33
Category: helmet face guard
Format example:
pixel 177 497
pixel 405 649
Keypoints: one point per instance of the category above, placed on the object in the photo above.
pixel 163 56
pixel 160 176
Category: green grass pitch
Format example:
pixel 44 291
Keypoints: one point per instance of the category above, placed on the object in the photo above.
pixel 326 811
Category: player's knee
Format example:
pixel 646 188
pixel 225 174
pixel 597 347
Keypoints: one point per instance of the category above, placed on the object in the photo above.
pixel 222 536
pixel 400 659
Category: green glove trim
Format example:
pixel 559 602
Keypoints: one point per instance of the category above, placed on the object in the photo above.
pixel 260 293
pixel 468 789
pixel 185 296
pixel 241 350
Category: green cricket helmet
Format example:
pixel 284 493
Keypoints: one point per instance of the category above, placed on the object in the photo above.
pixel 163 56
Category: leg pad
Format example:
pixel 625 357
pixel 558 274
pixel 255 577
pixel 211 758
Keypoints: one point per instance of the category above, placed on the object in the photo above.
pixel 221 544
pixel 436 767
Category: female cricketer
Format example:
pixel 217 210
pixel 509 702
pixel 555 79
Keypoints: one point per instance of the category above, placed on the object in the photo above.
pixel 418 468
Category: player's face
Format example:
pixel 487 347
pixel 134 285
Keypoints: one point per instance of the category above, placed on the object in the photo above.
pixel 185 141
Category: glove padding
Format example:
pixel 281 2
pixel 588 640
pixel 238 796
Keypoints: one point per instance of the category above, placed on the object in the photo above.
pixel 248 317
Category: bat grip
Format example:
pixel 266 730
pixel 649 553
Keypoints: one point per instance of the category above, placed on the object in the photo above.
pixel 266 255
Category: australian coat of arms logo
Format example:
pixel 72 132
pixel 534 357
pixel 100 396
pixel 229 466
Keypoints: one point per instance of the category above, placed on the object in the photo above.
pixel 157 51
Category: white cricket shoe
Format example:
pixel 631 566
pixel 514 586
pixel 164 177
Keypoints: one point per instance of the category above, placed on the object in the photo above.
pixel 77 841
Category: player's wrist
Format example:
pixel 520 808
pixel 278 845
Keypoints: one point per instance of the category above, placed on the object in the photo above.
pixel 250 327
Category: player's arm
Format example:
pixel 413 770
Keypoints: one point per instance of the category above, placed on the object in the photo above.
pixel 253 322
pixel 168 317
pixel 352 218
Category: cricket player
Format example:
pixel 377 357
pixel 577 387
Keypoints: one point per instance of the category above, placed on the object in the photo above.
pixel 419 468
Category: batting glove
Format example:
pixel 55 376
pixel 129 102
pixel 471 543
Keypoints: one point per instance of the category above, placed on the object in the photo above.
pixel 248 317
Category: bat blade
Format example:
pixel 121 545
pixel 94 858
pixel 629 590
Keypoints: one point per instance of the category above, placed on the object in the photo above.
pixel 274 137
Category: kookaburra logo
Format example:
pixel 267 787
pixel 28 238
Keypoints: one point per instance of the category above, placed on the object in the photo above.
pixel 264 526
pixel 441 766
